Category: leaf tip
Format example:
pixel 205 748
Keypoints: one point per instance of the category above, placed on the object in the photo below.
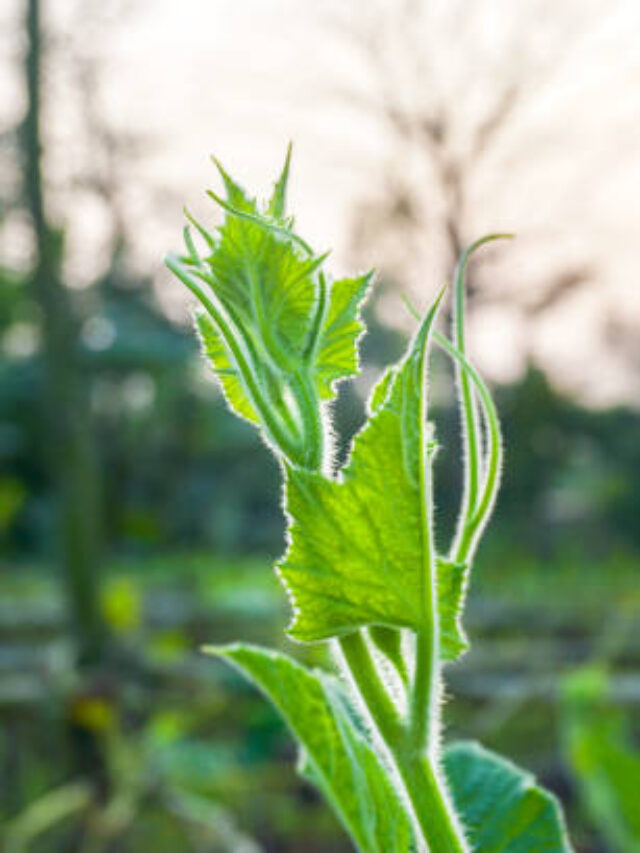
pixel 277 204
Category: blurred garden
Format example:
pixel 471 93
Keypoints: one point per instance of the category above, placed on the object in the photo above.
pixel 139 520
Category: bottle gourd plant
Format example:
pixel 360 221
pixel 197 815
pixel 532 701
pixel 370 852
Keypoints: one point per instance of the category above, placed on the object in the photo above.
pixel 361 568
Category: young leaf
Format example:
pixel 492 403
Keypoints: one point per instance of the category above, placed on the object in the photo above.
pixel 501 806
pixel 357 544
pixel 265 279
pixel 278 202
pixel 278 333
pixel 236 195
pixel 225 370
pixel 337 357
pixel 380 390
pixel 335 755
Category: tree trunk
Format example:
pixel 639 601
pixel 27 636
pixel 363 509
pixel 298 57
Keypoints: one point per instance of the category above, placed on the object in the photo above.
pixel 67 438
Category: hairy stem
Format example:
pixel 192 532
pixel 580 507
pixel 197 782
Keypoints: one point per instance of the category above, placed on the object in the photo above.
pixel 424 709
pixel 433 813
pixel 432 807
pixel 311 416
pixel 388 642
pixel 413 747
pixel 425 690
pixel 362 669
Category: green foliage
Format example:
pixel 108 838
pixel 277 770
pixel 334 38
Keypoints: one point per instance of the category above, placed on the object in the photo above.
pixel 601 752
pixel 358 544
pixel 278 333
pixel 361 567
pixel 335 754
pixel 501 806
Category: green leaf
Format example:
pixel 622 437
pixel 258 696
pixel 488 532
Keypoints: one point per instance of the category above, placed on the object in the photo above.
pixel 502 807
pixel 278 201
pixel 604 758
pixel 451 581
pixel 381 389
pixel 275 323
pixel 608 768
pixel 236 195
pixel 357 544
pixel 337 357
pixel 223 365
pixel 261 276
pixel 335 754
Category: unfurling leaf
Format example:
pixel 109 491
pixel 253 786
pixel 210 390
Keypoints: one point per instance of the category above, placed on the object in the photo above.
pixel 278 333
pixel 335 755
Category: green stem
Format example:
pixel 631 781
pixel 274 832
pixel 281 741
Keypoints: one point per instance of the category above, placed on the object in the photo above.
pixel 432 808
pixel 388 641
pixel 433 812
pixel 320 314
pixel 311 416
pixel 413 746
pixel 366 677
pixel 424 711
pixel 424 698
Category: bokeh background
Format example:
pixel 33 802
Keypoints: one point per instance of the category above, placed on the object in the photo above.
pixel 139 519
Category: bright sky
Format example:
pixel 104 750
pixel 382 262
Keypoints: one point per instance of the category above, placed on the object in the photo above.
pixel 239 78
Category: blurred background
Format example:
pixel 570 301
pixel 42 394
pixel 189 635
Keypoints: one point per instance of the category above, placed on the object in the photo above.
pixel 139 519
